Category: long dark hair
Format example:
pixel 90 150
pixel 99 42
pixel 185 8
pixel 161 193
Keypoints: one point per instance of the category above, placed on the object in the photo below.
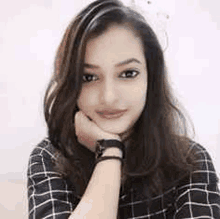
pixel 159 145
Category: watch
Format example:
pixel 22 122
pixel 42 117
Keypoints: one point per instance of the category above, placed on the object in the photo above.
pixel 101 145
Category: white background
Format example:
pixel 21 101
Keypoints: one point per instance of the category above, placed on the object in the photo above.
pixel 30 31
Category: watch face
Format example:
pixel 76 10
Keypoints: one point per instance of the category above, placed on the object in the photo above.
pixel 99 149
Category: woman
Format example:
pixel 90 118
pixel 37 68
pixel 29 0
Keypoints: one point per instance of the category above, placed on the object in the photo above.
pixel 110 89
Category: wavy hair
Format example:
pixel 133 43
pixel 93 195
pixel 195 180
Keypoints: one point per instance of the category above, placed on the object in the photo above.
pixel 158 148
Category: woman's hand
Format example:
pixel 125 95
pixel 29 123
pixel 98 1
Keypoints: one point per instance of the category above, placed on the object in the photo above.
pixel 88 132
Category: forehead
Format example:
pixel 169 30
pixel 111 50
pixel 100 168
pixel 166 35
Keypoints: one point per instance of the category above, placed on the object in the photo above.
pixel 114 45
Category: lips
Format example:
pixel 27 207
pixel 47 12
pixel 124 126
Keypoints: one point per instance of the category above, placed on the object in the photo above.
pixel 111 114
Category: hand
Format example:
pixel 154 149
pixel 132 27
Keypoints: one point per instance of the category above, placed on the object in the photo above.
pixel 88 132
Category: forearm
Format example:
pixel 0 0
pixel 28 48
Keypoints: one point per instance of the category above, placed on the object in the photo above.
pixel 101 196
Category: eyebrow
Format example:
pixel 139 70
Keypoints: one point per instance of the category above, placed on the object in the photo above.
pixel 127 61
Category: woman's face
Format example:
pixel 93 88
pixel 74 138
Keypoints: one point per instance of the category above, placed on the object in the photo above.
pixel 115 79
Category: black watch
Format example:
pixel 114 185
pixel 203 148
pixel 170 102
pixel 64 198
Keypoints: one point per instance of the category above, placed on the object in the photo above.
pixel 101 145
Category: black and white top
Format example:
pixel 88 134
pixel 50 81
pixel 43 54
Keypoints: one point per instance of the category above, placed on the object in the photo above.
pixel 50 196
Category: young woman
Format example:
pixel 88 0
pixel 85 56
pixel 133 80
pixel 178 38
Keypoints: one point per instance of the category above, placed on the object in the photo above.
pixel 118 143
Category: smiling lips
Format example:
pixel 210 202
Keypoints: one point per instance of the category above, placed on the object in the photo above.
pixel 111 114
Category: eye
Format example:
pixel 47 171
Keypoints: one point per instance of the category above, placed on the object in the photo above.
pixel 129 74
pixel 89 77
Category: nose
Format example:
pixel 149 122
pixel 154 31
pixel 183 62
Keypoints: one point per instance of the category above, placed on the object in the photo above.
pixel 108 93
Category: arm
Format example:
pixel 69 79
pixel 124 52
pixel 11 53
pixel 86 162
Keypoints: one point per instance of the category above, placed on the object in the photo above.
pixel 100 199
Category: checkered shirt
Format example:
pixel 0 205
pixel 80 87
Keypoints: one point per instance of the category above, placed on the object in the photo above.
pixel 51 196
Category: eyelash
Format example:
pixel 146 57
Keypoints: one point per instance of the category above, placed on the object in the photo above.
pixel 137 73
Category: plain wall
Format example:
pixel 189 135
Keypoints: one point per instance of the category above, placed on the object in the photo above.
pixel 30 32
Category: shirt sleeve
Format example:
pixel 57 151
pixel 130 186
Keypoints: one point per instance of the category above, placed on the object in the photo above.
pixel 49 195
pixel 199 196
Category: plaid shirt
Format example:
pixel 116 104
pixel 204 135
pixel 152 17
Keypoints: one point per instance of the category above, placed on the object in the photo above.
pixel 50 196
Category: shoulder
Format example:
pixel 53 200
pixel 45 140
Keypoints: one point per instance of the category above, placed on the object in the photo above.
pixel 49 194
pixel 200 150
pixel 44 149
pixel 205 171
pixel 42 159
pixel 198 194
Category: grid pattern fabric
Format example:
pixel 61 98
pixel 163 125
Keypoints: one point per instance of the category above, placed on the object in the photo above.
pixel 51 196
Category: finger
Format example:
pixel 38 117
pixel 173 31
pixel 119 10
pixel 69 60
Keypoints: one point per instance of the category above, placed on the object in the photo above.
pixel 77 121
pixel 87 126
pixel 81 121
pixel 85 118
pixel 90 125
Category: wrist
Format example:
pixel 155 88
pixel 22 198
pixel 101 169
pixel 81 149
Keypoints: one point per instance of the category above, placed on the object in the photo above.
pixel 104 144
pixel 113 151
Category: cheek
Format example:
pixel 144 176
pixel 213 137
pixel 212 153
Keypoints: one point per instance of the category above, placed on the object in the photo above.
pixel 137 95
pixel 86 100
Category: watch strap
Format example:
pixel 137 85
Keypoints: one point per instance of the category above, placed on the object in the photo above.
pixel 107 143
